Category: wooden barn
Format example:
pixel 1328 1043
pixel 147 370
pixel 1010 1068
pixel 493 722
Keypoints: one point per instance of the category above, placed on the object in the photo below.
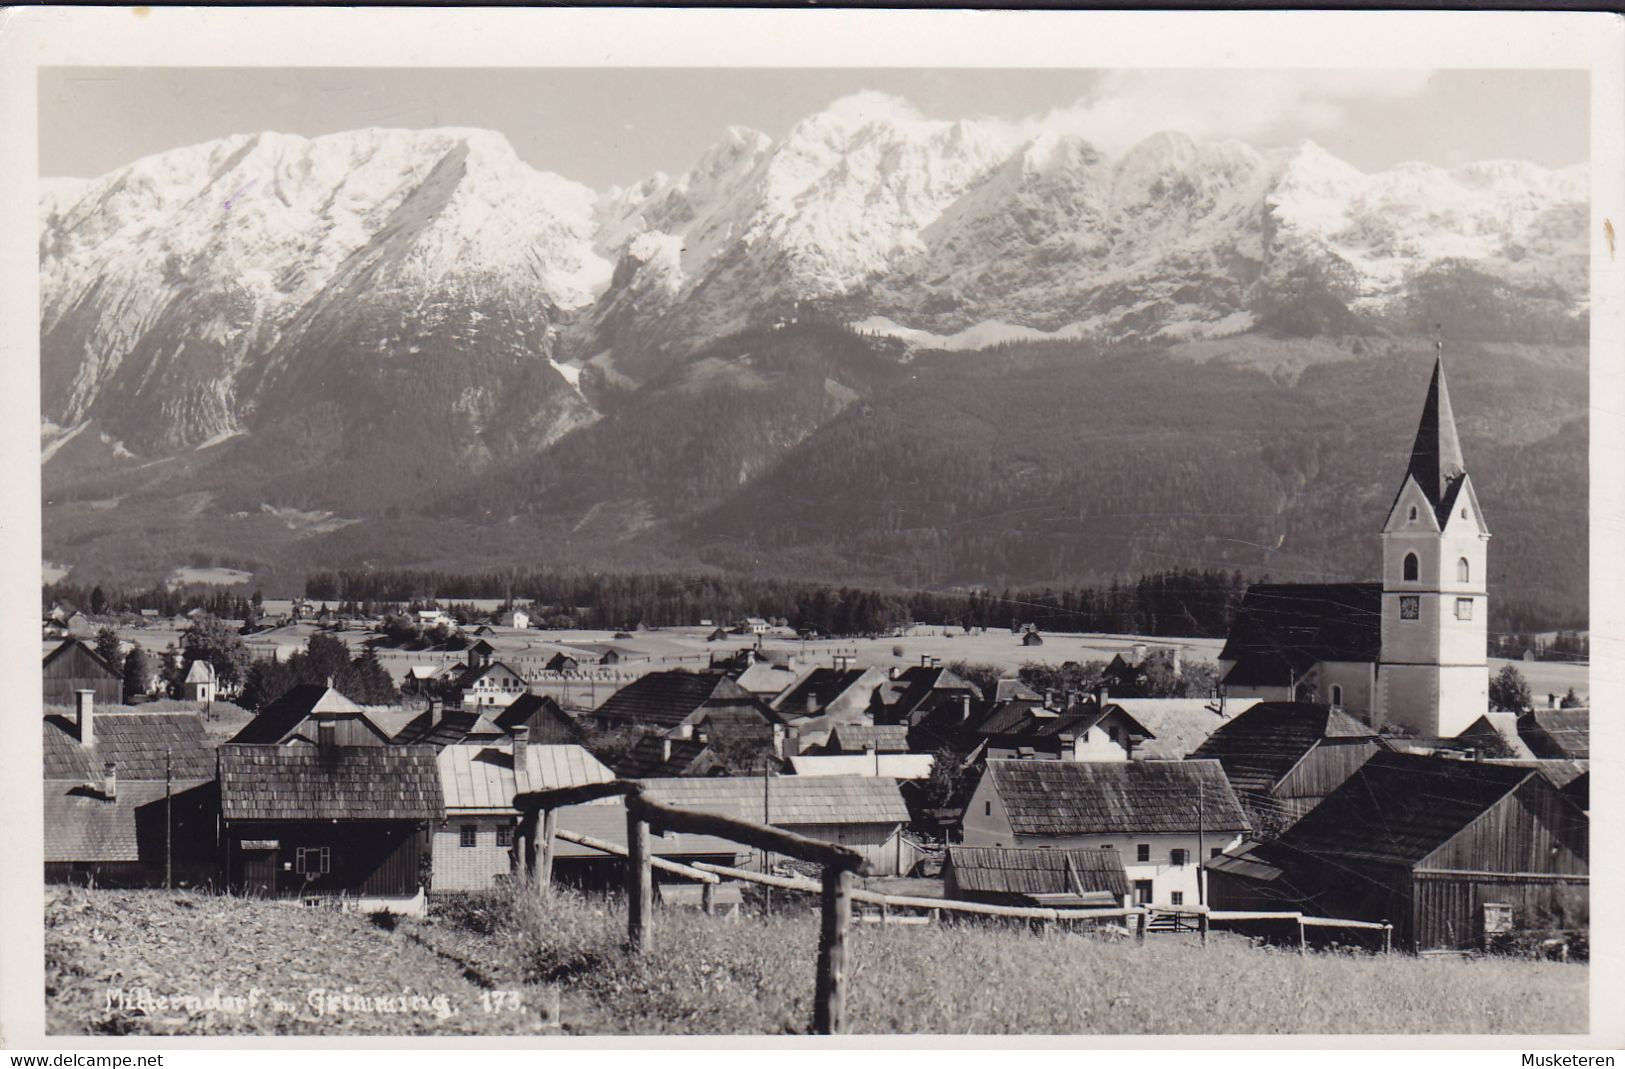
pixel 330 821
pixel 1284 758
pixel 74 666
pixel 1446 850
pixel 1078 878
pixel 303 713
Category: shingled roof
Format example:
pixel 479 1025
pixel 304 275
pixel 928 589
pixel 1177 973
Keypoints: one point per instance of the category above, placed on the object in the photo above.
pixel 1560 733
pixel 134 742
pixel 1401 807
pixel 81 825
pixel 1000 870
pixel 1262 745
pixel 667 699
pixel 789 800
pixel 280 719
pixel 546 719
pixel 1281 630
pixel 452 727
pixel 1089 798
pixel 338 783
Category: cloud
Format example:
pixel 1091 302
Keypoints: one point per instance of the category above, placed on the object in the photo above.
pixel 1208 104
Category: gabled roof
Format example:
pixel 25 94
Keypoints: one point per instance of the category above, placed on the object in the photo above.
pixel 1032 720
pixel 299 783
pixel 1088 798
pixel 483 777
pixel 1557 732
pixel 667 699
pixel 655 755
pixel 1400 808
pixel 546 719
pixel 1561 773
pixel 280 719
pixel 857 738
pixel 1001 870
pixel 1493 731
pixel 1436 462
pixel 822 687
pixel 453 727
pixel 201 671
pixel 1011 689
pixel 789 800
pixel 1180 724
pixel 1281 630
pixel 135 742
pixel 81 825
pixel 478 672
pixel 1259 747
pixel 748 722
pixel 84 649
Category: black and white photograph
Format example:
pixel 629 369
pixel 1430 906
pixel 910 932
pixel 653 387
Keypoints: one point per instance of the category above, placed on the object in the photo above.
pixel 808 545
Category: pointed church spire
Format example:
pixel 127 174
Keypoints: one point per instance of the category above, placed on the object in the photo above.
pixel 1436 456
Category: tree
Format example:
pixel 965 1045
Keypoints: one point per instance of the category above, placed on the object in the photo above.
pixel 210 640
pixel 367 680
pixel 1509 691
pixel 135 673
pixel 107 647
pixel 98 601
pixel 1571 700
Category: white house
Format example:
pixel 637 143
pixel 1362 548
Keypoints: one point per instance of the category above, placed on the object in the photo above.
pixel 1163 817
pixel 487 683
pixel 515 618
pixel 199 684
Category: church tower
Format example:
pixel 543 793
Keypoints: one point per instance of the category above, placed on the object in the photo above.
pixel 1433 671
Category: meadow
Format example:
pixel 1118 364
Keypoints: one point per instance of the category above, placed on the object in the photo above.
pixel 563 963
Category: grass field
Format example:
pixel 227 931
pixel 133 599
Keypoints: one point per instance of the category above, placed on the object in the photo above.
pixel 743 975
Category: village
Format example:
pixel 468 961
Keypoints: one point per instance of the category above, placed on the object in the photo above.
pixel 1346 769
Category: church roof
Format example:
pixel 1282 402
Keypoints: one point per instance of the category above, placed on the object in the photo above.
pixel 1281 630
pixel 1436 461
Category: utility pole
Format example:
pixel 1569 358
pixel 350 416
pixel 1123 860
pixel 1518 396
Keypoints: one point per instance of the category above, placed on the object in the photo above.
pixel 1201 851
pixel 169 823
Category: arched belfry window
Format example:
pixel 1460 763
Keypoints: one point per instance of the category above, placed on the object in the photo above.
pixel 1464 571
pixel 1412 568
pixel 1337 694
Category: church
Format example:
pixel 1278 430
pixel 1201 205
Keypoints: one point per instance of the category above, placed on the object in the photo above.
pixel 1408 652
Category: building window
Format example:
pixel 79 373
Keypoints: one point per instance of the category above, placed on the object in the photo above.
pixel 1178 858
pixel 467 835
pixel 1413 513
pixel 1464 571
pixel 987 809
pixel 1410 608
pixel 504 835
pixel 1176 898
pixel 312 861
pixel 1142 852
pixel 1337 694
pixel 1108 846
pixel 1464 608
pixel 1413 567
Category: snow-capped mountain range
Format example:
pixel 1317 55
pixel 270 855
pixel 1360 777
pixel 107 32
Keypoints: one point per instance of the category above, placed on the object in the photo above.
pixel 434 276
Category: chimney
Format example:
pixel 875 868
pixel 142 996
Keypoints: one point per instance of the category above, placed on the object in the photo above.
pixel 893 672
pixel 84 706
pixel 521 745
pixel 1049 698
pixel 110 781
pixel 964 708
pixel 778 740
pixel 792 741
pixel 685 731
pixel 327 735
pixel 437 712
pixel 665 748
pixel 1551 700
pixel 1102 696
pixel 329 682
pixel 812 703
pixel 1139 653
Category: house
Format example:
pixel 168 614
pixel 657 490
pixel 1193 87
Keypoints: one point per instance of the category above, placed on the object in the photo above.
pixel 673 703
pixel 897 766
pixel 654 756
pixel 1032 638
pixel 303 713
pixel 1179 725
pixel 1409 650
pixel 760 676
pixel 562 662
pixel 543 717
pixel 431 618
pixel 911 695
pixel 754 625
pixel 486 683
pixel 198 685
pixel 1078 878
pixel 121 786
pixel 74 666
pixel 717 635
pixel 1448 851
pixel 1495 734
pixel 611 656
pixel 1283 758
pixel 419 679
pixel 1164 816
pixel 1069 729
pixel 863 813
pixel 472 849
pixel 330 822
pixel 515 618
pixel 823 698
pixel 1557 733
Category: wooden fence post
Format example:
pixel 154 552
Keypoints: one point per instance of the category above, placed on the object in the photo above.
pixel 1303 942
pixel 639 881
pixel 545 848
pixel 1141 922
pixel 708 897
pixel 1201 925
pixel 829 1000
pixel 1387 936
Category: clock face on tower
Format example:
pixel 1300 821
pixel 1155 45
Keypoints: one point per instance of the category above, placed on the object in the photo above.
pixel 1410 607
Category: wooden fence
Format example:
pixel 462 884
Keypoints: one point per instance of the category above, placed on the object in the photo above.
pixel 538 830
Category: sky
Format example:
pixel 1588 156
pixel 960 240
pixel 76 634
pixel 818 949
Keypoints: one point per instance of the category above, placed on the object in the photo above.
pixel 616 126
